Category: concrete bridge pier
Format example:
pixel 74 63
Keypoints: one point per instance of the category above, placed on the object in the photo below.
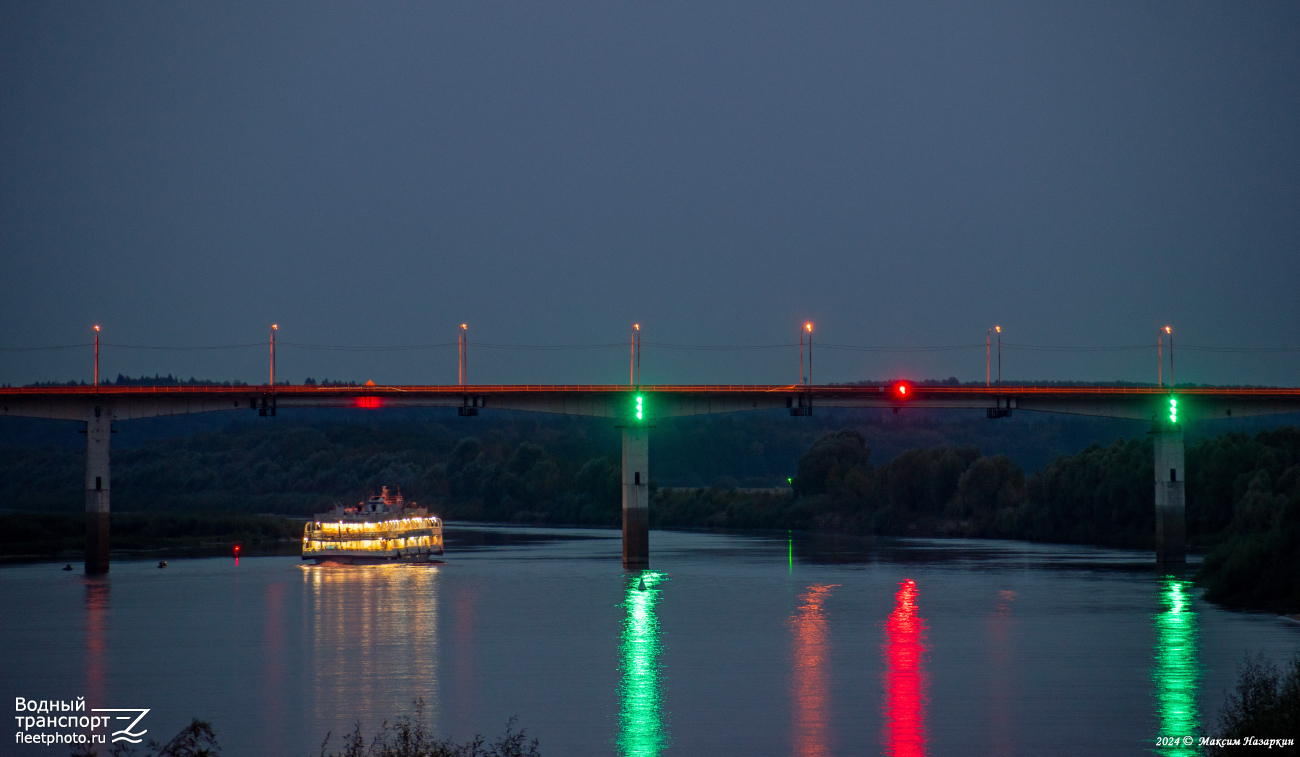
pixel 636 497
pixel 1171 511
pixel 99 429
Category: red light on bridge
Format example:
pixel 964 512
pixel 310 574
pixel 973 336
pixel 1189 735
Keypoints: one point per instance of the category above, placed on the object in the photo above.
pixel 369 403
pixel 901 389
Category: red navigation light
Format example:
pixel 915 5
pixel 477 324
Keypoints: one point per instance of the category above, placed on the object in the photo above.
pixel 901 389
pixel 236 550
pixel 370 403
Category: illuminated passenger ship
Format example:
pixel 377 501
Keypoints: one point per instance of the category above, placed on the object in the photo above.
pixel 382 529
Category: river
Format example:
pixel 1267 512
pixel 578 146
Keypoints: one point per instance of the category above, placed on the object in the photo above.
pixel 731 644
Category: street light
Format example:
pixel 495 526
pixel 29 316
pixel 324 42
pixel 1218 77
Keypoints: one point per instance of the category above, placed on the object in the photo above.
pixel 274 328
pixel 807 328
pixel 634 364
pixel 97 358
pixel 999 330
pixel 462 353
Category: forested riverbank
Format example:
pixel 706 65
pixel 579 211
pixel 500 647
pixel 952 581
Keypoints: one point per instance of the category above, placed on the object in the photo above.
pixel 1243 490
pixel 27 536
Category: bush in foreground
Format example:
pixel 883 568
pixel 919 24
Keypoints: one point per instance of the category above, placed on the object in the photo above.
pixel 407 738
pixel 1265 704
pixel 195 740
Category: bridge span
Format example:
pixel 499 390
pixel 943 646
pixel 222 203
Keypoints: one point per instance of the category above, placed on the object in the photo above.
pixel 635 408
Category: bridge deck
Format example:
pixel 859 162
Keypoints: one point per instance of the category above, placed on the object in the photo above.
pixel 662 401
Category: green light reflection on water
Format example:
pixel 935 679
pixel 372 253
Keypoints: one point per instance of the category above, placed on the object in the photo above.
pixel 1177 670
pixel 641 723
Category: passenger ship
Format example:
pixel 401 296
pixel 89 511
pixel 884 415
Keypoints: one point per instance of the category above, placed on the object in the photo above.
pixel 383 529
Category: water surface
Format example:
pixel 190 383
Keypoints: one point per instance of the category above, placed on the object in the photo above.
pixel 757 645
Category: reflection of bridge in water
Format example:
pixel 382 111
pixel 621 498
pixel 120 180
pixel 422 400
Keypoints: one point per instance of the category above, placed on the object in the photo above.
pixel 363 643
pixel 636 408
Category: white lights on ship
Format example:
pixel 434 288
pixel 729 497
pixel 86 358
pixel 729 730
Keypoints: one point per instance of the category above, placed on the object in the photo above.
pixel 382 529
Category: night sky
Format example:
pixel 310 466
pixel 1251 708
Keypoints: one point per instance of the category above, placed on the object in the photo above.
pixel 902 174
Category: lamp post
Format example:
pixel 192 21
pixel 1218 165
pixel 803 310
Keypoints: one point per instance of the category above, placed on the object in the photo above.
pixel 999 330
pixel 634 363
pixel 97 358
pixel 808 328
pixel 274 328
pixel 988 340
pixel 462 353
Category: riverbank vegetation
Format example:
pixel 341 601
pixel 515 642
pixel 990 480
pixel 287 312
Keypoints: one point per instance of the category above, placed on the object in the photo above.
pixel 47 536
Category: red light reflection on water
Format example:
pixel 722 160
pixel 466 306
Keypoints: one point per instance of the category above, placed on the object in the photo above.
pixel 464 669
pixel 96 640
pixel 1000 693
pixel 369 403
pixel 273 667
pixel 808 685
pixel 905 679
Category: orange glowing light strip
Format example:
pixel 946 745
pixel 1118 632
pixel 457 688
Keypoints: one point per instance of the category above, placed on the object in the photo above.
pixel 413 391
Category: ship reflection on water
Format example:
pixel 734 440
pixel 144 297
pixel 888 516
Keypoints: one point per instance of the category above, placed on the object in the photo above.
pixel 810 689
pixel 906 685
pixel 642 732
pixel 1177 670
pixel 374 641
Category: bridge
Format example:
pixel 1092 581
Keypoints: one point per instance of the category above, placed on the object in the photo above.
pixel 636 408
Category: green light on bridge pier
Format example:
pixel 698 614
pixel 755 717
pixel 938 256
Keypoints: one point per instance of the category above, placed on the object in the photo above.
pixel 1173 409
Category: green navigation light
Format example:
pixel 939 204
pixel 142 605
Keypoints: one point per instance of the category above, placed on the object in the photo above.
pixel 641 728
pixel 640 407
pixel 1177 670
pixel 1173 410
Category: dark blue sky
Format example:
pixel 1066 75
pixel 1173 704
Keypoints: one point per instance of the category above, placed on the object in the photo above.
pixel 903 174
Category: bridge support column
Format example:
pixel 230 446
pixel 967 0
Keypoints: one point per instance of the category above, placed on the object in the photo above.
pixel 99 429
pixel 1171 480
pixel 636 497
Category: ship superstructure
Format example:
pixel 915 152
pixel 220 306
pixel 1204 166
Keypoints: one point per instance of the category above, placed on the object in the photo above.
pixel 384 528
